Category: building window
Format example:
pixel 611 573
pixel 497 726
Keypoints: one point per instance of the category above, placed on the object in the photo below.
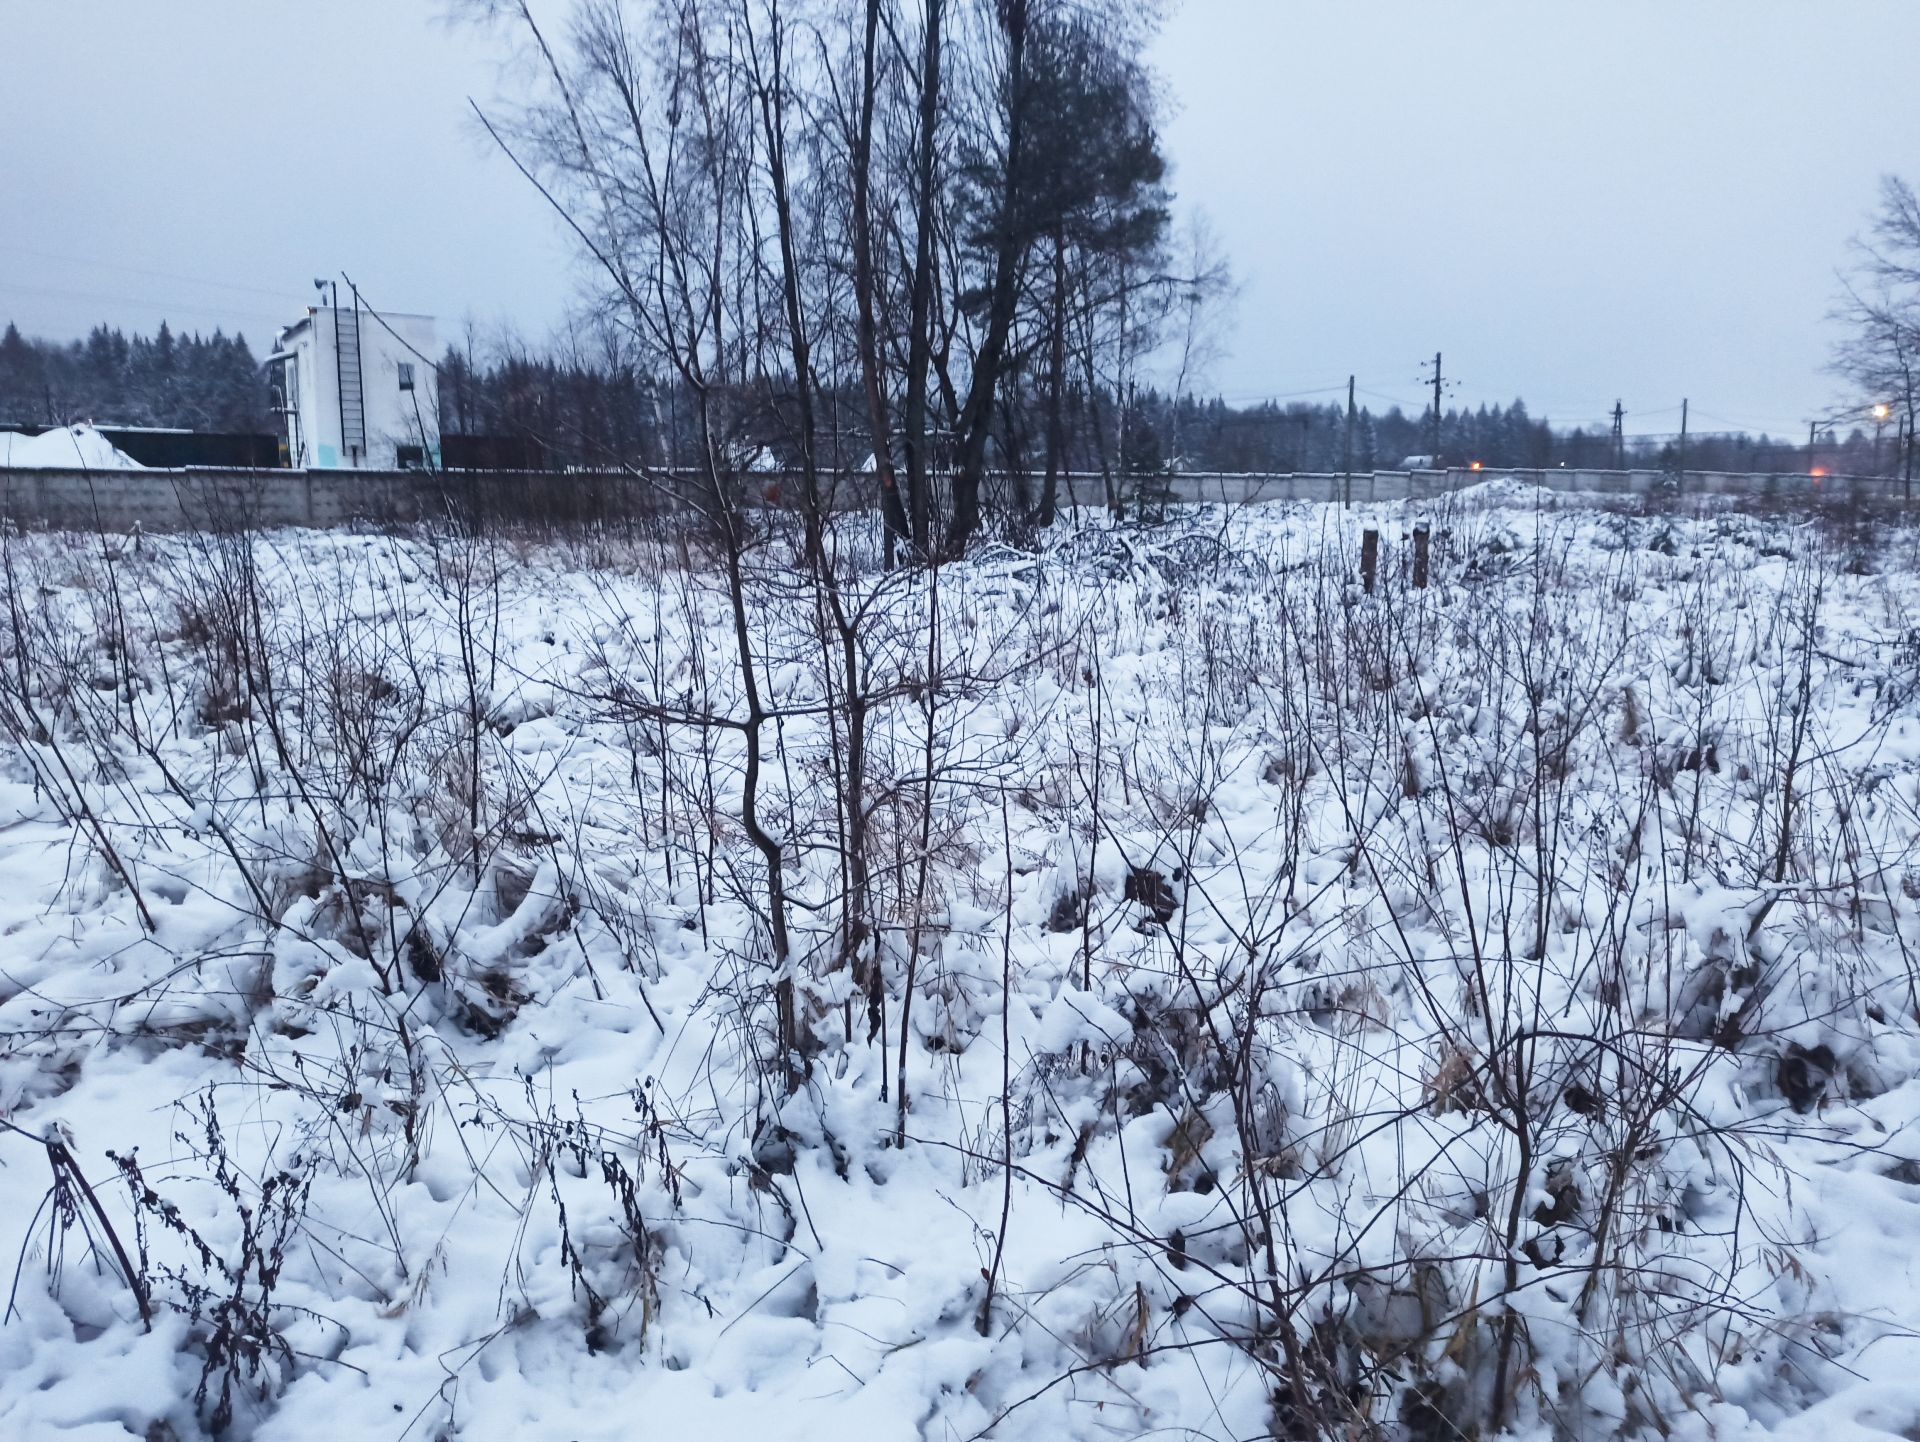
pixel 406 375
pixel 410 458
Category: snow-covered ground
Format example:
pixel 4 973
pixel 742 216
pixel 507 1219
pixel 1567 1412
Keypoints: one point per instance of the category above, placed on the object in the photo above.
pixel 1488 1007
pixel 66 448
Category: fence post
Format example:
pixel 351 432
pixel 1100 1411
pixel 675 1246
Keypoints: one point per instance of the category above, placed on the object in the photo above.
pixel 1369 557
pixel 1422 537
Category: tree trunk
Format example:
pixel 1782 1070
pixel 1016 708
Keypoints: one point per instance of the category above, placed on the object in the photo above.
pixel 976 417
pixel 1056 383
pixel 920 316
pixel 867 332
pixel 773 118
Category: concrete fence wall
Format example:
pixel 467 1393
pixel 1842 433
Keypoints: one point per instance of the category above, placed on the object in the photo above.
pixel 1370 486
pixel 199 498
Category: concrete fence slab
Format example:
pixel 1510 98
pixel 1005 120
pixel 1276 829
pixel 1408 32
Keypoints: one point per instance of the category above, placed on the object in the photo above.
pixel 211 498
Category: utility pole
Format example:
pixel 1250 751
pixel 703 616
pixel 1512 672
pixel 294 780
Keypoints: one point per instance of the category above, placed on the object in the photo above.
pixel 1619 437
pixel 1680 483
pixel 1813 430
pixel 1346 493
pixel 1436 408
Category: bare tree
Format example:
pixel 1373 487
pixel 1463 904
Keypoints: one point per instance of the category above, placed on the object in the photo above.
pixel 1880 309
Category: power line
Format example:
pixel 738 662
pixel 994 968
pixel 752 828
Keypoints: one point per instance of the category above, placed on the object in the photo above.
pixel 1383 396
pixel 145 303
pixel 281 293
pixel 359 302
pixel 1748 423
pixel 1610 422
pixel 1261 397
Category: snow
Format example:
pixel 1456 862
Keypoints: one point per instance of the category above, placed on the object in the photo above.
pixel 74 448
pixel 511 1045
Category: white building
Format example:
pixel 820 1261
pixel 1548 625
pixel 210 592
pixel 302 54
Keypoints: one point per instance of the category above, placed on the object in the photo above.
pixel 357 388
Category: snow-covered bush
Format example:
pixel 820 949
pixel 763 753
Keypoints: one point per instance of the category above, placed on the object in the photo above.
pixel 1145 983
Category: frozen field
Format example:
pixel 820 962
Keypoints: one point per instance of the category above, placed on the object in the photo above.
pixel 1146 988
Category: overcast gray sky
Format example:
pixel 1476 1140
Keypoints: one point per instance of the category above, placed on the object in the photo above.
pixel 1575 201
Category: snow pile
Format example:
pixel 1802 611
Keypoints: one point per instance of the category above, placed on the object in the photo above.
pixel 1249 1006
pixel 73 448
pixel 1499 490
